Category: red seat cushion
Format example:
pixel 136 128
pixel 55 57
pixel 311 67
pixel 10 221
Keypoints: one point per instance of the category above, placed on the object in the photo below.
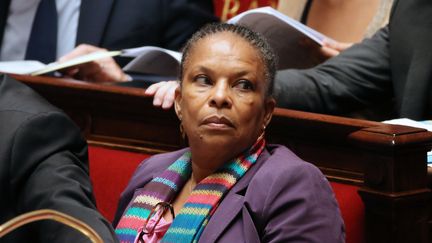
pixel 110 171
pixel 352 209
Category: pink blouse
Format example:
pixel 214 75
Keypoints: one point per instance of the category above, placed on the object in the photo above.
pixel 159 231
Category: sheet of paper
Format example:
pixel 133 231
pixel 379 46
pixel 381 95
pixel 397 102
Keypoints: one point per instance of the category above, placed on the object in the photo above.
pixel 34 68
pixel 412 123
pixel 152 60
pixel 293 42
pixel 427 124
pixel 21 67
pixel 76 61
pixel 138 51
pixel 255 18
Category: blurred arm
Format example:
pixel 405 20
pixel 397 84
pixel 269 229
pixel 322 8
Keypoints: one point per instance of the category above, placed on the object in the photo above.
pixel 358 77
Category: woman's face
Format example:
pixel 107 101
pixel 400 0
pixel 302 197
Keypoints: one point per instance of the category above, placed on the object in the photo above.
pixel 222 102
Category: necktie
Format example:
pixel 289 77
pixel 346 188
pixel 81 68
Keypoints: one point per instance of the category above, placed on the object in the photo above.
pixel 42 45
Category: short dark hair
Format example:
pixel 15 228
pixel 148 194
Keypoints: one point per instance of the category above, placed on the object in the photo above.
pixel 255 39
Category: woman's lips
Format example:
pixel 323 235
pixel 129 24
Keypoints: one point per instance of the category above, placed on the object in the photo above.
pixel 218 122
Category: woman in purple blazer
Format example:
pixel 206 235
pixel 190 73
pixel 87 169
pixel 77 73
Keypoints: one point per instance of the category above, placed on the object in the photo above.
pixel 229 185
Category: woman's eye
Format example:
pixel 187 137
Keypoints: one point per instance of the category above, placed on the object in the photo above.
pixel 244 85
pixel 204 80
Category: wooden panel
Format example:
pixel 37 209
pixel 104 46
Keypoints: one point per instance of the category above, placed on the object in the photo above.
pixel 113 116
pixel 387 162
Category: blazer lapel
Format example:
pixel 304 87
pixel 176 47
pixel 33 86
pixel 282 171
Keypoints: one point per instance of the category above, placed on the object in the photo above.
pixel 417 87
pixel 231 205
pixel 94 15
pixel 4 10
pixel 226 212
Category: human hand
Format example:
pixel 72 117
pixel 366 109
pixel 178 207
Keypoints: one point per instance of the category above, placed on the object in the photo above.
pixel 163 92
pixel 101 70
pixel 332 48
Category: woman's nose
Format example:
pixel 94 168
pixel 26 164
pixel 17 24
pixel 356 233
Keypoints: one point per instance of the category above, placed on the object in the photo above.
pixel 220 96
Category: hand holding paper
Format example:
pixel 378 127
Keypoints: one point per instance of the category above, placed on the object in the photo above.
pixel 298 45
pixel 101 68
pixel 85 62
pixel 331 48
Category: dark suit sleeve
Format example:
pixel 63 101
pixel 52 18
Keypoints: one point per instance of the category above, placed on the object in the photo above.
pixel 357 78
pixel 49 171
pixel 182 18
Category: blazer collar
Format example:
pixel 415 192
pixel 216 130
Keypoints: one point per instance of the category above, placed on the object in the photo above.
pixel 93 19
pixel 4 10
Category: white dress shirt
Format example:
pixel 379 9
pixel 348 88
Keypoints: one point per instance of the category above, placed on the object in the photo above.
pixel 20 20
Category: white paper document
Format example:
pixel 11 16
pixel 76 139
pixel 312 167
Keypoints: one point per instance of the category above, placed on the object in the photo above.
pixel 427 124
pixel 286 36
pixel 152 60
pixel 34 68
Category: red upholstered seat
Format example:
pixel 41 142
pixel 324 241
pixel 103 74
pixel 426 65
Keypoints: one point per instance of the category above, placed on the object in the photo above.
pixel 352 209
pixel 110 171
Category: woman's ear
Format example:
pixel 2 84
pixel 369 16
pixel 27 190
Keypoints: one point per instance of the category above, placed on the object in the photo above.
pixel 269 108
pixel 177 102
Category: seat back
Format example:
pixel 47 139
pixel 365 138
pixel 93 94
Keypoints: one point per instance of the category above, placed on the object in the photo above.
pixel 110 171
pixel 352 210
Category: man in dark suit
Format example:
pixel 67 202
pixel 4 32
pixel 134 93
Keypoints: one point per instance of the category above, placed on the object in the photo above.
pixel 120 24
pixel 43 165
pixel 394 65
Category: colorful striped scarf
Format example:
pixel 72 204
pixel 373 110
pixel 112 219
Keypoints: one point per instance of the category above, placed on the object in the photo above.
pixel 199 207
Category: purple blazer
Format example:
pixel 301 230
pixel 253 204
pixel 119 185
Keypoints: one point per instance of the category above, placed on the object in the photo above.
pixel 280 199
